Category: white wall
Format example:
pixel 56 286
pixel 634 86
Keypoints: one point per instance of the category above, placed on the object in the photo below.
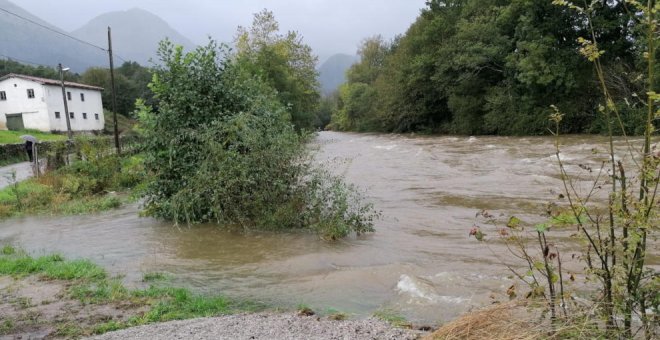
pixel 33 110
pixel 92 105
pixel 39 112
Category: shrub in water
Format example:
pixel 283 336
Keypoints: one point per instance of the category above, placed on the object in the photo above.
pixel 222 149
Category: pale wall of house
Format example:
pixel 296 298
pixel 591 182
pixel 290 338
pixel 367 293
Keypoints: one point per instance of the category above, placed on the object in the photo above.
pixel 39 112
pixel 34 110
pixel 91 106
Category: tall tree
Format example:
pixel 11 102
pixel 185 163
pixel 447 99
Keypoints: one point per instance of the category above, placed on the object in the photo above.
pixel 493 67
pixel 284 62
pixel 131 83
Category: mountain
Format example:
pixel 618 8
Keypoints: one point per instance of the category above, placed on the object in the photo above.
pixel 332 72
pixel 135 34
pixel 28 42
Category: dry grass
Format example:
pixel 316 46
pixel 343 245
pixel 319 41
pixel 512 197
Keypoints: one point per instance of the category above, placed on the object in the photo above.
pixel 505 321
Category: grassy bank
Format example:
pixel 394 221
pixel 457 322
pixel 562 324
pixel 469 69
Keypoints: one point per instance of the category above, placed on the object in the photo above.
pixel 94 185
pixel 88 301
pixel 13 137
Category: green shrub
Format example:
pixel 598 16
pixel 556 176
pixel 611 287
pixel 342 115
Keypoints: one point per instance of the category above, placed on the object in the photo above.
pixel 234 157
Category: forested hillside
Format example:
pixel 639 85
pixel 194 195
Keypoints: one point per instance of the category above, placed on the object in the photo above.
pixel 493 67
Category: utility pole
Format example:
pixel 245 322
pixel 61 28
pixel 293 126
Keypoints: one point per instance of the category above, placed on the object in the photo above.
pixel 112 83
pixel 66 105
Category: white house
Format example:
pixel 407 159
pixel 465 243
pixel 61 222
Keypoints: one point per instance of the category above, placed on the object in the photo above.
pixel 36 103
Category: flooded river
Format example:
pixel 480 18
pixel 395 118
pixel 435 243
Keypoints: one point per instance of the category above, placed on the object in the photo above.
pixel 420 263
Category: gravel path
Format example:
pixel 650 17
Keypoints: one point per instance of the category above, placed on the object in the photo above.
pixel 264 326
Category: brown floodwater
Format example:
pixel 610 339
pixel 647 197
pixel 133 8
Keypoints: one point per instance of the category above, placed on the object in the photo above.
pixel 420 263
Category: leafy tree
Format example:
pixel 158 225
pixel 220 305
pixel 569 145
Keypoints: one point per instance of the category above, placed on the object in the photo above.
pixel 221 149
pixel 493 67
pixel 327 106
pixel 284 62
pixel 131 83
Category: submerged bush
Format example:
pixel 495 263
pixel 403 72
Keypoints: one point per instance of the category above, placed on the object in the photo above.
pixel 222 149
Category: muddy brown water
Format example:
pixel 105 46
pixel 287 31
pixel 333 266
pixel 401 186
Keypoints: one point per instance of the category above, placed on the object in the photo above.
pixel 420 263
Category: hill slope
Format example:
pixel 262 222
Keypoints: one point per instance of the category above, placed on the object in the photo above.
pixel 332 72
pixel 25 41
pixel 135 34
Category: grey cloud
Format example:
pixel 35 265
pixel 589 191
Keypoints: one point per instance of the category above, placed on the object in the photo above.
pixel 329 26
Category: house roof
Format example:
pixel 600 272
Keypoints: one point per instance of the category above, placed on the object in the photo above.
pixel 46 81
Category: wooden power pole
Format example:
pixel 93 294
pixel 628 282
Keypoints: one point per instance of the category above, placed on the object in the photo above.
pixel 112 83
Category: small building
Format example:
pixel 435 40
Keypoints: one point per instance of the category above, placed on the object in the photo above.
pixel 28 102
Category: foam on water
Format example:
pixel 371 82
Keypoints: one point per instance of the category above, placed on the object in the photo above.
pixel 418 288
pixel 385 147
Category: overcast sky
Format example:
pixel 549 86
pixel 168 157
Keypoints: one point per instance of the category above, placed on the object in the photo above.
pixel 329 26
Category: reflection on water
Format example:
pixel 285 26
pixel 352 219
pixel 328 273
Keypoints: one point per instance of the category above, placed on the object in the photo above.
pixel 420 261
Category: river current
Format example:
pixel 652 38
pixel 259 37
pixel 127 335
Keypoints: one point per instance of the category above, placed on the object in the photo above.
pixel 419 263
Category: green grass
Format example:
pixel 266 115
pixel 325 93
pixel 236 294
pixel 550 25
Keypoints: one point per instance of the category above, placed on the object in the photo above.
pixel 13 137
pixel 392 318
pixel 124 124
pixel 8 250
pixel 50 267
pixel 35 198
pixel 69 331
pixel 77 189
pixel 6 326
pixel 90 284
pixel 154 276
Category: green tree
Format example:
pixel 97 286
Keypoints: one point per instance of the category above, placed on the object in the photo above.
pixel 226 152
pixel 131 83
pixel 495 67
pixel 284 62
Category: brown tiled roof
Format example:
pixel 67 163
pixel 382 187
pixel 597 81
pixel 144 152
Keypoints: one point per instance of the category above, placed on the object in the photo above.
pixel 46 81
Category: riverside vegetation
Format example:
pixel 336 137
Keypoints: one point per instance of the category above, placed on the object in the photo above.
pixel 98 180
pixel 495 67
pixel 231 152
pixel 237 157
pixel 613 218
pixel 84 300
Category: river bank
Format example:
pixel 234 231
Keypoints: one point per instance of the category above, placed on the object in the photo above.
pixel 51 297
pixel 420 263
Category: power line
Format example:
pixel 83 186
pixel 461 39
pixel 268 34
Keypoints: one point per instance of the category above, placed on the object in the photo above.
pixel 58 32
pixel 52 30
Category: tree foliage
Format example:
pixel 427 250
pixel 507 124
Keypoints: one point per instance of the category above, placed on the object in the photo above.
pixel 131 83
pixel 222 149
pixel 284 62
pixel 490 67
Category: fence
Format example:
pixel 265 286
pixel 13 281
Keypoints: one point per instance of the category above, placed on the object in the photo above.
pixel 55 151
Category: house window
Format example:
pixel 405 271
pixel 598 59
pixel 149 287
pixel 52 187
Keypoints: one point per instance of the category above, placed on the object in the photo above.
pixel 30 93
pixel 68 95
pixel 3 95
pixel 57 115
pixel 82 97
pixel 96 116
pixel 71 115
pixel 84 115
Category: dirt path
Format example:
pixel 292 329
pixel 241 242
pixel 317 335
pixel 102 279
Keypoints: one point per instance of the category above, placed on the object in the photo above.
pixel 265 326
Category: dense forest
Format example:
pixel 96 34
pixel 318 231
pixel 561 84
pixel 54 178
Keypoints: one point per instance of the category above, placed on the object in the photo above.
pixel 494 67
